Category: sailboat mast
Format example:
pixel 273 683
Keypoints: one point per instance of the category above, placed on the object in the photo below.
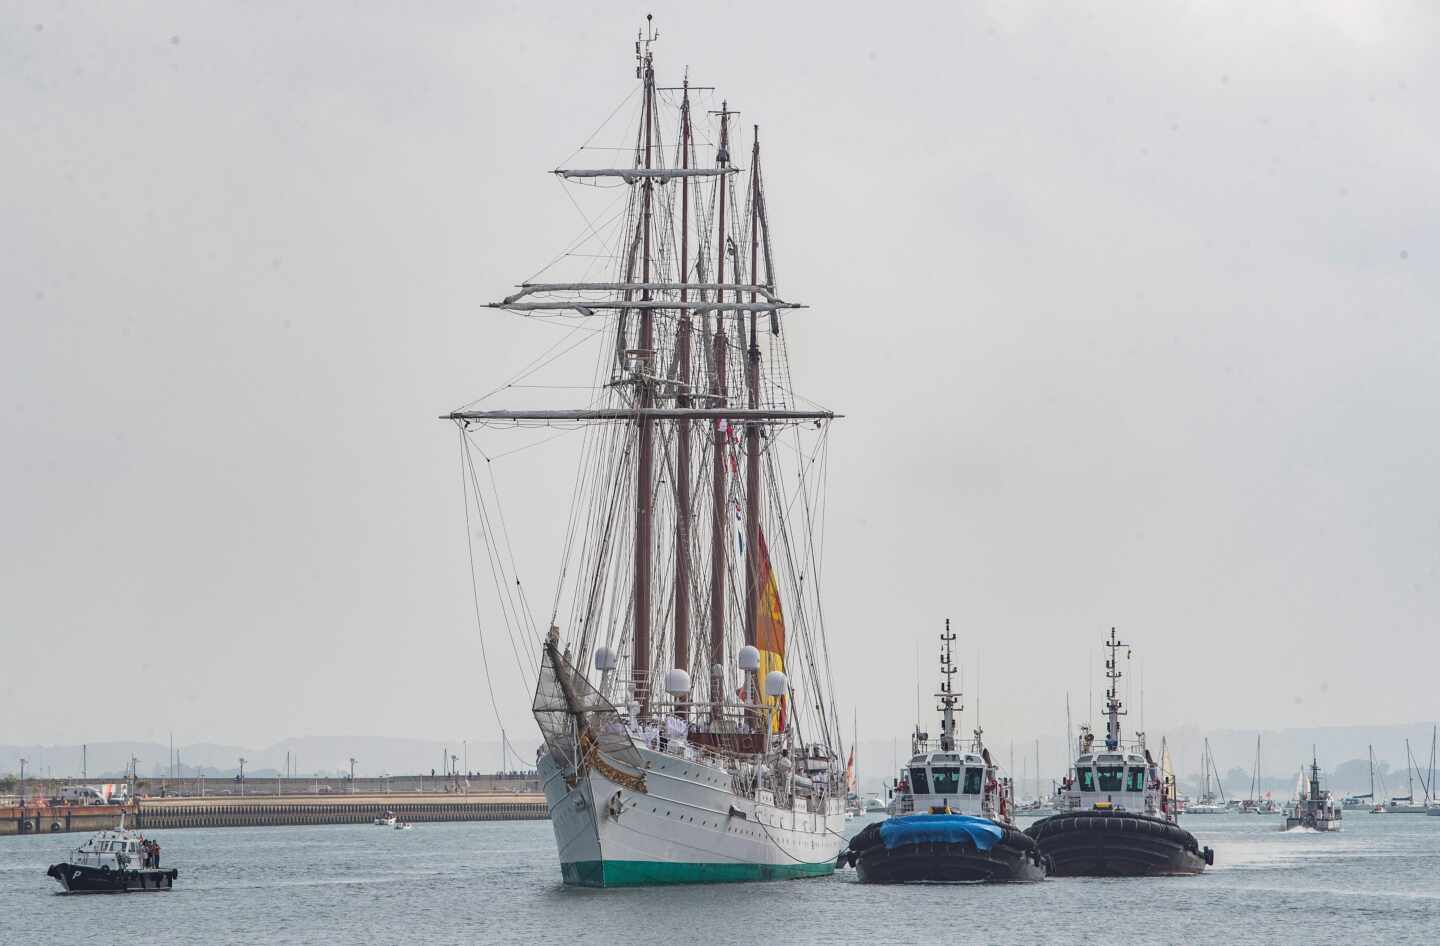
pixel 717 503
pixel 682 426
pixel 1409 773
pixel 752 430
pixel 645 483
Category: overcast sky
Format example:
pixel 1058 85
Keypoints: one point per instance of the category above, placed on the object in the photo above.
pixel 1131 310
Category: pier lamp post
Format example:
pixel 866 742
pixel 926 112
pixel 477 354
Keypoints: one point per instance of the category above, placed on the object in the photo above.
pixel 352 775
pixel 23 763
pixel 241 776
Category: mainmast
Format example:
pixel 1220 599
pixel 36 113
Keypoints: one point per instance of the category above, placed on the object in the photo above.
pixel 1113 708
pixel 949 699
pixel 752 431
pixel 682 426
pixel 644 380
pixel 720 433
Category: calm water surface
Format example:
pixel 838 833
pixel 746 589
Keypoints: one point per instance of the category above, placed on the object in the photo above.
pixel 1378 881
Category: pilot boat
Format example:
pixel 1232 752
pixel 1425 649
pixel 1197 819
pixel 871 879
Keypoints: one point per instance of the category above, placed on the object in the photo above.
pixel 387 820
pixel 1316 808
pixel 118 861
pixel 1120 807
pixel 953 813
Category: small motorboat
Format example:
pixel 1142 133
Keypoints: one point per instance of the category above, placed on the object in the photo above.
pixel 118 861
pixel 388 820
pixel 403 826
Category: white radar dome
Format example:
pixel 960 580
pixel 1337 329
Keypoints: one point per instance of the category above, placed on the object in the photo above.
pixel 775 683
pixel 677 682
pixel 748 658
pixel 604 658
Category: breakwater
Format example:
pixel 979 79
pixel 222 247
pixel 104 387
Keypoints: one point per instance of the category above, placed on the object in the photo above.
pixel 257 811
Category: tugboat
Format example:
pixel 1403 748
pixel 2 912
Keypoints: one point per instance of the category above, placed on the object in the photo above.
pixel 1316 809
pixel 952 819
pixel 118 861
pixel 1120 819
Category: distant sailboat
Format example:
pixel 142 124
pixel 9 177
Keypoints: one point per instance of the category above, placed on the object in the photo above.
pixel 1406 804
pixel 1207 804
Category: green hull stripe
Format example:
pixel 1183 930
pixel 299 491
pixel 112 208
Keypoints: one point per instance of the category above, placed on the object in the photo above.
pixel 647 873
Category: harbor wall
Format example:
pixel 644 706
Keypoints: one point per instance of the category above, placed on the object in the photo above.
pixel 197 786
pixel 258 811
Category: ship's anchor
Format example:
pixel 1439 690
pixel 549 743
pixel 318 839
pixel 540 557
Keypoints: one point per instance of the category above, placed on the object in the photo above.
pixel 616 806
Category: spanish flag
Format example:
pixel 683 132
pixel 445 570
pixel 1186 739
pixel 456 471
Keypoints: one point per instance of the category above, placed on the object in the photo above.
pixel 769 631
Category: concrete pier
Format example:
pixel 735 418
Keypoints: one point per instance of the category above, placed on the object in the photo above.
pixel 252 811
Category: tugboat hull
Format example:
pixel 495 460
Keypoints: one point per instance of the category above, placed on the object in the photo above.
pixel 948 864
pixel 1015 858
pixel 1118 844
pixel 77 878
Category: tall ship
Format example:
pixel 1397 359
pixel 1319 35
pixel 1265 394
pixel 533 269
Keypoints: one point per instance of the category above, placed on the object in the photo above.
pixel 1316 808
pixel 1120 805
pixel 954 812
pixel 683 686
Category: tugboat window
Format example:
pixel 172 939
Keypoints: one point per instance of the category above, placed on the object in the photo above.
pixel 974 781
pixel 1087 779
pixel 1112 777
pixel 947 781
pixel 1137 781
pixel 919 784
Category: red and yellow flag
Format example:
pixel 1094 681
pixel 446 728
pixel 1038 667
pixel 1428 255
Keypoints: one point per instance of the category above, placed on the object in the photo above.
pixel 769 631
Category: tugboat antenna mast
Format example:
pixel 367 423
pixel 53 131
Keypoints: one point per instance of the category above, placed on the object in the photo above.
pixel 1113 707
pixel 949 698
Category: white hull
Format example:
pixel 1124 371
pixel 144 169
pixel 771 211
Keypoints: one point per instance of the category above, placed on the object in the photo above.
pixel 689 826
